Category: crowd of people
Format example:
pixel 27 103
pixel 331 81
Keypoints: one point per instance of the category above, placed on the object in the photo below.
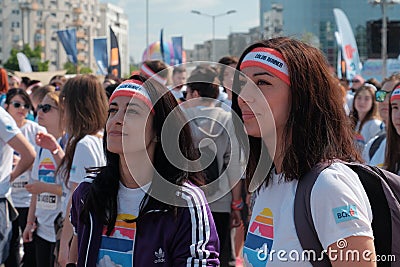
pixel 89 177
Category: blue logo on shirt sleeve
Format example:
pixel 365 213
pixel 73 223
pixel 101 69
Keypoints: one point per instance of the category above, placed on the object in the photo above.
pixel 345 213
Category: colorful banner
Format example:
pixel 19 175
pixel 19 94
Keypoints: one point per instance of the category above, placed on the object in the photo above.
pixel 348 44
pixel 162 45
pixel 100 54
pixel 68 40
pixel 177 44
pixel 115 58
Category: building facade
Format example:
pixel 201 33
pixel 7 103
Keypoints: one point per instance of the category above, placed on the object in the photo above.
pixel 314 19
pixel 36 22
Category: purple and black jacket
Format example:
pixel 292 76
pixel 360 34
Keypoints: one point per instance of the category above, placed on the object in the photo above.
pixel 185 238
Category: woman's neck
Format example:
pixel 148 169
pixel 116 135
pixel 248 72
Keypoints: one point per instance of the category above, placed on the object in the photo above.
pixel 278 148
pixel 361 116
pixel 57 133
pixel 20 123
pixel 136 169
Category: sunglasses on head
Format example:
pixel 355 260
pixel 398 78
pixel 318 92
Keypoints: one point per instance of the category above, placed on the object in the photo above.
pixel 45 108
pixel 18 105
pixel 380 95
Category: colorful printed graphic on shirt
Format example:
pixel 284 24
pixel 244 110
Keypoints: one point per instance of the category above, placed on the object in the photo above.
pixel 47 170
pixel 117 249
pixel 259 239
pixel 345 213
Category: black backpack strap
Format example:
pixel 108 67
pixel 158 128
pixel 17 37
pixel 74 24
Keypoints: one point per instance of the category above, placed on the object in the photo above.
pixel 303 221
pixel 375 145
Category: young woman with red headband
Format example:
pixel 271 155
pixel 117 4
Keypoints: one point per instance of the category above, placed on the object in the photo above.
pixel 289 104
pixel 141 210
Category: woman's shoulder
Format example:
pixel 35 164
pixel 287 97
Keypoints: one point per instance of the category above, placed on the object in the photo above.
pixel 33 127
pixel 91 139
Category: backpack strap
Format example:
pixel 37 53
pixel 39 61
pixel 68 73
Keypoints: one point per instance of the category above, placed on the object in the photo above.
pixel 375 145
pixel 303 221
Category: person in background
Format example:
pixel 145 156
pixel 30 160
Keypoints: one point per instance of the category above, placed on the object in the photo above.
pixel 18 104
pixel 58 82
pixel 121 196
pixel 14 82
pixel 178 87
pixel 365 117
pixel 84 112
pixel 24 82
pixel 46 187
pixel 374 151
pixel 392 159
pixel 3 86
pixel 349 94
pixel 293 119
pixel 357 82
pixel 38 94
pixel 11 139
pixel 208 121
pixel 375 83
pixel 33 84
pixel 225 76
pixel 155 69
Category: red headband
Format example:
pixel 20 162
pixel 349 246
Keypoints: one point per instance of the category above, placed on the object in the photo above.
pixel 268 59
pixel 134 89
pixel 151 74
pixel 396 94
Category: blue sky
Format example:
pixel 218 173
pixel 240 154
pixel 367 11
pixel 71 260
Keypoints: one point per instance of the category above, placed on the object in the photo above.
pixel 176 19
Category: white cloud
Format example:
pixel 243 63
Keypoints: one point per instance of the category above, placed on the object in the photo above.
pixel 107 262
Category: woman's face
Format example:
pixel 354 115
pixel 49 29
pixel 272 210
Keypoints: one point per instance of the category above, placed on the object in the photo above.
pixel 271 96
pixel 395 105
pixel 383 107
pixel 18 113
pixel 363 102
pixel 48 114
pixel 129 126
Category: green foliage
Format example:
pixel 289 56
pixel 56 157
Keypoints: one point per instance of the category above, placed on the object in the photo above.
pixel 85 70
pixel 71 68
pixel 34 57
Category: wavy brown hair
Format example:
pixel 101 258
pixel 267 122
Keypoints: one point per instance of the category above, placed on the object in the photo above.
pixel 317 126
pixel 84 111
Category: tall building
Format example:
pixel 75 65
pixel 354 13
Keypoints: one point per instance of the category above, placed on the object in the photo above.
pixel 111 15
pixel 314 20
pixel 36 22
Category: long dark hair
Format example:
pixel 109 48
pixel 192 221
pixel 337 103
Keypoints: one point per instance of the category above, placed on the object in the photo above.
pixel 392 154
pixel 317 123
pixel 102 196
pixel 84 103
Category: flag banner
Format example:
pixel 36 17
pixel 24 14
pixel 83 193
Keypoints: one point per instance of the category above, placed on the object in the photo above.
pixel 177 44
pixel 348 44
pixel 162 45
pixel 115 58
pixel 68 40
pixel 100 54
pixel 23 63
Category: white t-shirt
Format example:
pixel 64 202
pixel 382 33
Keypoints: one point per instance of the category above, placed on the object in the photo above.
pixel 117 249
pixel 88 153
pixel 370 129
pixel 20 196
pixel 378 159
pixel 48 205
pixel 8 129
pixel 336 191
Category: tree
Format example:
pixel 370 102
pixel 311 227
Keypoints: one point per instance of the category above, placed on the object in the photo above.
pixel 34 57
pixel 71 68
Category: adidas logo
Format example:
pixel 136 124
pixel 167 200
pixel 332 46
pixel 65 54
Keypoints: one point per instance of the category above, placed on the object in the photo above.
pixel 160 256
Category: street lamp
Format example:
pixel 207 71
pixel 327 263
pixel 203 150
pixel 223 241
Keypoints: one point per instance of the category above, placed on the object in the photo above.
pixel 213 25
pixel 384 4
